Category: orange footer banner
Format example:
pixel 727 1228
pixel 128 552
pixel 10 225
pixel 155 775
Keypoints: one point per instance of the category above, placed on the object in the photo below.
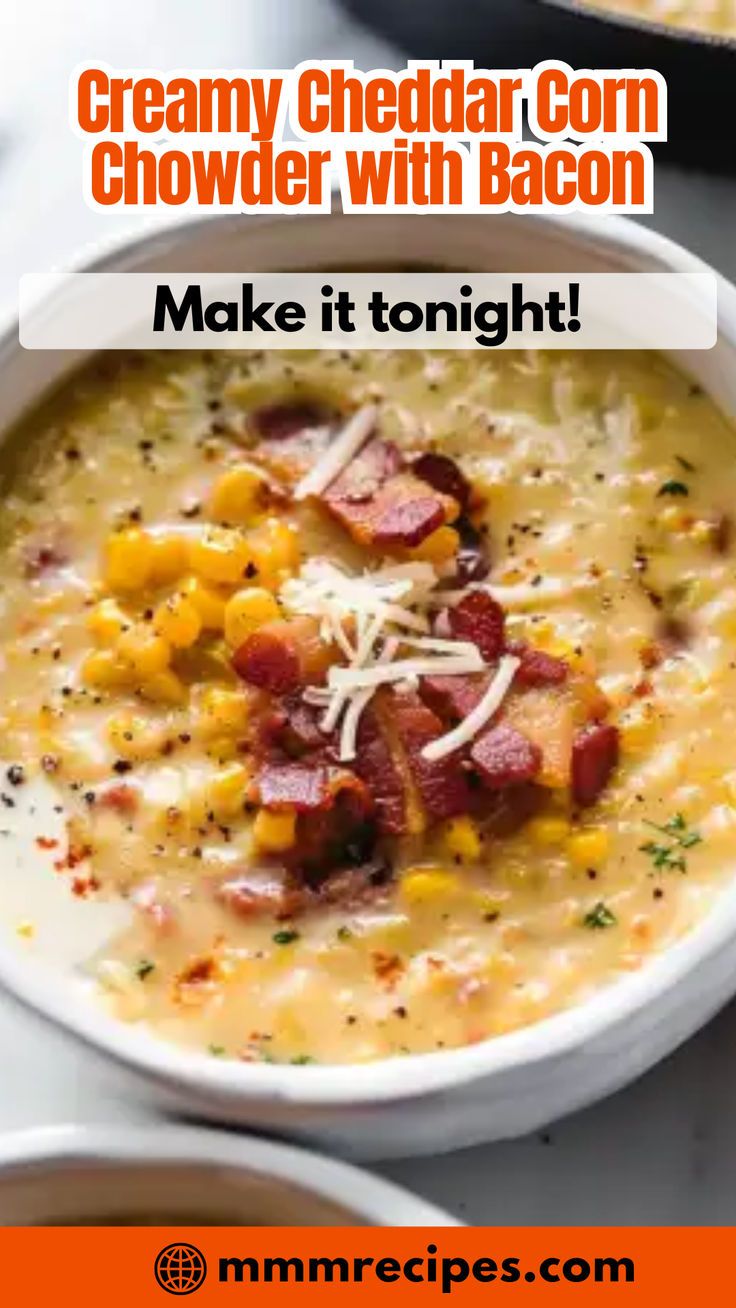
pixel 124 1267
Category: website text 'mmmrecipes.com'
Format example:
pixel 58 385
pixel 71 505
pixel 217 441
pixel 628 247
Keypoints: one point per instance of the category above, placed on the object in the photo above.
pixel 445 1271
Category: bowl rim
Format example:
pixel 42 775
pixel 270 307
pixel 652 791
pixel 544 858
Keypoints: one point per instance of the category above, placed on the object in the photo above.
pixel 418 1076
pixel 360 1193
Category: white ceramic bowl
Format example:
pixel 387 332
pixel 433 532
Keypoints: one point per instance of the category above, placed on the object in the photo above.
pixel 513 1083
pixel 162 1175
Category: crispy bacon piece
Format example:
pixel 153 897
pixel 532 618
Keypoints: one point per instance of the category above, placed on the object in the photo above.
pixel 261 894
pixel 283 656
pixel 453 698
pixel 594 757
pixel 504 812
pixel 282 422
pixel 291 436
pixel 304 786
pixel 291 728
pixel 537 668
pixel 546 716
pixel 293 786
pixel 342 835
pixel 442 786
pixel 407 790
pixel 374 465
pixel 351 887
pixel 379 763
pixel 504 757
pixel 403 514
pixel 383 506
pixel 479 618
pixel 444 475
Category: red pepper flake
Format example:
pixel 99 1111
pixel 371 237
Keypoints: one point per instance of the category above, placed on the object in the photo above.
pixel 199 970
pixel 387 967
pixel 120 797
pixel 46 842
pixel 83 886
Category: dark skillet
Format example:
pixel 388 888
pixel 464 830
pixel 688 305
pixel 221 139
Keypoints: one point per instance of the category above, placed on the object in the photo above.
pixel 700 69
pixel 642 25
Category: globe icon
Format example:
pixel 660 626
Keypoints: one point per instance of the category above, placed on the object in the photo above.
pixel 180 1268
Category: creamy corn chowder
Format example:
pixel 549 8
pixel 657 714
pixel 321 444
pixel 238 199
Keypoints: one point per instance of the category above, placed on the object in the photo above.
pixel 717 17
pixel 389 697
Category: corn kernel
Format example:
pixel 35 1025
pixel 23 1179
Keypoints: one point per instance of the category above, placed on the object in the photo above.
pixel 560 648
pixel 489 903
pixel 177 621
pixel 439 547
pixel 276 552
pixel 226 792
pixel 672 518
pixel 210 605
pixel 223 749
pixel 146 652
pixel 393 934
pixel 107 622
pixel 246 611
pixel 544 632
pixel 235 495
pixel 648 410
pixel 221 556
pixel 222 711
pixel 461 838
pixel 164 688
pixel 702 532
pixel 102 670
pixel 637 733
pixel 588 848
pixel 129 560
pixel 546 636
pixel 424 885
pixel 274 832
pixel 169 561
pixel 501 967
pixel 135 738
pixel 548 830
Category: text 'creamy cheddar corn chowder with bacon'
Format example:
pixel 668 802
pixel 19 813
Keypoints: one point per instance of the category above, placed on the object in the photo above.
pixel 391 693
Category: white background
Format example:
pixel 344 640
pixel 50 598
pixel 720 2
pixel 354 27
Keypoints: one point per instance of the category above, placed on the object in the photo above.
pixel 663 1151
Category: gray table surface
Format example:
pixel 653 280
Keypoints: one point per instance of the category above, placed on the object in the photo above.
pixel 663 1151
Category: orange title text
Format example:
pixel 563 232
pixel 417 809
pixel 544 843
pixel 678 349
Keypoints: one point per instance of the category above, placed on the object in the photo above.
pixel 434 137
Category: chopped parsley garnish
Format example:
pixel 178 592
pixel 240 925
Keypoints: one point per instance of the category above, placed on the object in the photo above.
pixel 599 916
pixel 217 1051
pixel 285 937
pixel 344 933
pixel 301 1060
pixel 144 968
pixel 685 463
pixel 668 854
pixel 673 488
